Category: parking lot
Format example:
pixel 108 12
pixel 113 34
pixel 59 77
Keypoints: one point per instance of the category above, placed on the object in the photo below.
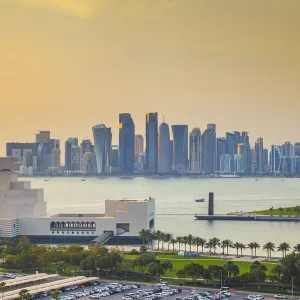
pixel 117 291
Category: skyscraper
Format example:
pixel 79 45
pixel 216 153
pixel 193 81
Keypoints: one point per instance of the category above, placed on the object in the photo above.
pixel 151 142
pixel 164 149
pixel 102 146
pixel 180 148
pixel 208 141
pixel 126 143
pixel 138 144
pixel 266 160
pixel 221 150
pixel 259 154
pixel 195 150
pixel 275 159
pixel 76 158
pixel 247 157
pixel 232 141
pixel 68 152
pixel 86 146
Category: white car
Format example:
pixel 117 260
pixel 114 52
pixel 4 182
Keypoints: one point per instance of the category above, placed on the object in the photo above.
pixel 280 297
pixel 227 294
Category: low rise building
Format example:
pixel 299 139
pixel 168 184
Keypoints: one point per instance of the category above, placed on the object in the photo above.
pixel 23 212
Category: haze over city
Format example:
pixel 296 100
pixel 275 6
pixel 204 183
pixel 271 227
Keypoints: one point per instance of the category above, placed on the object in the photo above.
pixel 68 65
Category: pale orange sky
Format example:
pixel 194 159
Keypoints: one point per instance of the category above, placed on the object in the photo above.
pixel 66 65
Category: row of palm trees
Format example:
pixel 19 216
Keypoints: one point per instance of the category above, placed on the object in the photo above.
pixel 165 241
pixel 289 210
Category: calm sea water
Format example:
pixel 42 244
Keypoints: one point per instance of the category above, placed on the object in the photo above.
pixel 175 205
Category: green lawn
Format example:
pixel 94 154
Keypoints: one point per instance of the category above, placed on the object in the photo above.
pixel 179 262
pixel 276 211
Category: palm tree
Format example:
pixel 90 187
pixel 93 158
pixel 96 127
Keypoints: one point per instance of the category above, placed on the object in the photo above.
pixel 24 294
pixel 271 209
pixel 202 243
pixel 242 247
pixel 284 247
pixel 190 242
pixel 280 209
pixel 215 242
pixel 297 248
pixel 289 210
pixel 197 242
pixel 168 237
pixel 226 244
pixel 297 210
pixel 143 235
pixel 185 242
pixel 251 246
pixel 163 238
pixel 269 247
pixel 173 242
pixel 237 247
pixel 3 288
pixel 255 246
pixel 179 240
pixel 158 237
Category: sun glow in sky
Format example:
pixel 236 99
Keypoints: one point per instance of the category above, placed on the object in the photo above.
pixel 66 65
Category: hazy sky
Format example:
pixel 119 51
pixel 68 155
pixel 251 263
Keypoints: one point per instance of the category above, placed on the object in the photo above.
pixel 66 65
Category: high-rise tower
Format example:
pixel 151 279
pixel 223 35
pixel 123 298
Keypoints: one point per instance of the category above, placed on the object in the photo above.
pixel 195 150
pixel 126 143
pixel 164 166
pixel 180 148
pixel 151 142
pixel 208 141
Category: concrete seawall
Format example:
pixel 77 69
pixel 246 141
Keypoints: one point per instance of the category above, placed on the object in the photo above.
pixel 247 218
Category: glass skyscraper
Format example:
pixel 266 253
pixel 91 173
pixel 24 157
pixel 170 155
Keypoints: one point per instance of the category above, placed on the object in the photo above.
pixel 164 165
pixel 126 143
pixel 208 154
pixel 152 142
pixel 180 148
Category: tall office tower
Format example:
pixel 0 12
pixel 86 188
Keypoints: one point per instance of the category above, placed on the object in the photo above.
pixel 86 146
pixel 225 163
pixel 266 160
pixel 42 136
pixel 287 149
pixel 102 146
pixel 164 149
pixel 232 141
pixel 275 159
pixel 152 142
pixel 195 150
pixel 259 154
pixel 115 158
pixel 89 163
pixel 68 152
pixel 208 141
pixel 76 158
pixel 247 161
pixel 126 143
pixel 138 144
pixel 297 149
pixel 171 154
pixel 180 148
pixel 221 150
pixel 55 158
pixel 239 158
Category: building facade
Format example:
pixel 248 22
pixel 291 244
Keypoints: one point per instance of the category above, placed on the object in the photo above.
pixel 152 142
pixel 195 150
pixel 221 150
pixel 275 159
pixel 180 148
pixel 138 144
pixel 102 145
pixel 126 143
pixel 208 154
pixel 164 166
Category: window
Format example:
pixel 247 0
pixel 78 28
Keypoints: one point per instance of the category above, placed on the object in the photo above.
pixel 82 232
pixel 52 231
pixel 151 223
pixel 77 232
pixel 73 232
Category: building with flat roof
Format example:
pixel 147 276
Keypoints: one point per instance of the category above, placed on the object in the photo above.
pixel 24 213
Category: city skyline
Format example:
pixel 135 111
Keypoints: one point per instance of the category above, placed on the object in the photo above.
pixel 235 64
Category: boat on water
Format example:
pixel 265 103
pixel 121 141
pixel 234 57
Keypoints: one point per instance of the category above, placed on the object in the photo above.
pixel 46 179
pixel 200 200
pixel 83 179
